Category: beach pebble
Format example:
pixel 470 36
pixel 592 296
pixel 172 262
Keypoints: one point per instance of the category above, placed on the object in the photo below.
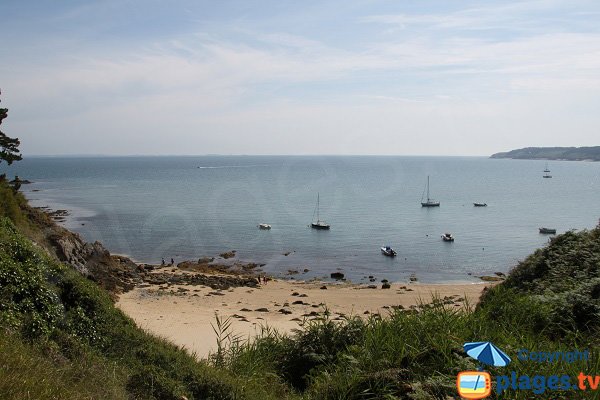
pixel 323 287
pixel 262 309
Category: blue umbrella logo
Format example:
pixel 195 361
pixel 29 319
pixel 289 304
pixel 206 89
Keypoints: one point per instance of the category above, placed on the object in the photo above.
pixel 487 353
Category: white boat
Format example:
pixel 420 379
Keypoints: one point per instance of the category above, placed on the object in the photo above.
pixel 447 237
pixel 549 231
pixel 388 251
pixel 318 224
pixel 264 226
pixel 480 204
pixel 429 202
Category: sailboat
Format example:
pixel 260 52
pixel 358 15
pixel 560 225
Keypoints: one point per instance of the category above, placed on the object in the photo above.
pixel 319 224
pixel 429 202
pixel 547 172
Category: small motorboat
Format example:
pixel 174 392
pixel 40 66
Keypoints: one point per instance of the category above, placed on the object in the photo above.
pixel 548 231
pixel 480 204
pixel 264 226
pixel 388 251
pixel 447 237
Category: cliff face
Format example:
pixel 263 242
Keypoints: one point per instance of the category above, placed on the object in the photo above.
pixel 116 274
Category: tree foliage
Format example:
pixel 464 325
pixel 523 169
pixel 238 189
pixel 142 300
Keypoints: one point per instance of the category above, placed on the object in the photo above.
pixel 9 147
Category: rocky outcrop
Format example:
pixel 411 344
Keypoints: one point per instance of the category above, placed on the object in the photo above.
pixel 116 274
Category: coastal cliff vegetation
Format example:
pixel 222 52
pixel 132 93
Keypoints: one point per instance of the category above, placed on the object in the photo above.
pixel 553 153
pixel 62 336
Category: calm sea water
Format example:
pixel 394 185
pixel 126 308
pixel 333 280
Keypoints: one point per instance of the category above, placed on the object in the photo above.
pixel 186 207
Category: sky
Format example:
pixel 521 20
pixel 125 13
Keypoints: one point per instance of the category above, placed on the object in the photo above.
pixel 129 77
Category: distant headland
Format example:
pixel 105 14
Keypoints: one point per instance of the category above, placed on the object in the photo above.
pixel 553 153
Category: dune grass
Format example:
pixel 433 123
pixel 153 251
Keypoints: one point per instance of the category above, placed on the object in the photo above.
pixel 62 338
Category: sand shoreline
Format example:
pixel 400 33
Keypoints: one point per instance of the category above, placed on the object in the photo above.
pixel 183 314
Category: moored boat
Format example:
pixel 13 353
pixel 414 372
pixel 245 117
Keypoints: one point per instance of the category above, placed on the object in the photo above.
pixel 264 226
pixel 480 204
pixel 447 237
pixel 546 172
pixel 549 231
pixel 430 202
pixel 318 224
pixel 388 251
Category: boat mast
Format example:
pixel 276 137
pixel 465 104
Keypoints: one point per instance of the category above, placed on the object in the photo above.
pixel 428 188
pixel 318 218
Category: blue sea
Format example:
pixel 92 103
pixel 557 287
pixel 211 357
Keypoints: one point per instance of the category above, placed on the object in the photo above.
pixel 187 207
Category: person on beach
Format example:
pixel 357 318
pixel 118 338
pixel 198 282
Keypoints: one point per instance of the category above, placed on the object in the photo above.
pixel 163 262
pixel 172 261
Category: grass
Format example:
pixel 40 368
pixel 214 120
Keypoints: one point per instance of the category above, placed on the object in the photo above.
pixel 548 303
pixel 85 341
pixel 62 337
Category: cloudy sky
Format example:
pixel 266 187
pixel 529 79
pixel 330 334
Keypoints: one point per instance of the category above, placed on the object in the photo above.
pixel 299 77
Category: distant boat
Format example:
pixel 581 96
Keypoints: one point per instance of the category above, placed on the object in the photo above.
pixel 264 226
pixel 480 204
pixel 429 202
pixel 547 172
pixel 318 224
pixel 549 231
pixel 447 237
pixel 388 251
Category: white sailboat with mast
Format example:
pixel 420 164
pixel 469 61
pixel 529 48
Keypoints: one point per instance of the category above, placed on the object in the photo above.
pixel 318 224
pixel 430 202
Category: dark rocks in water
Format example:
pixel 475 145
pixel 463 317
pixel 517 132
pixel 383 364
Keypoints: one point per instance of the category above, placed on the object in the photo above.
pixel 371 279
pixel 384 281
pixel 337 275
pixel 228 254
pixel 500 274
pixel 385 286
pixel 413 278
pixel 292 271
pixel 19 180
pixel 287 253
pixel 487 278
pixel 306 270
pixel 205 260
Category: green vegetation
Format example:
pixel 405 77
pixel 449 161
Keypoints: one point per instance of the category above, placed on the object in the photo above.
pixel 553 153
pixel 9 147
pixel 62 338
pixel 550 302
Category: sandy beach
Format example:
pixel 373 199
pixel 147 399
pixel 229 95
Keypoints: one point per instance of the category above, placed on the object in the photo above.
pixel 183 314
